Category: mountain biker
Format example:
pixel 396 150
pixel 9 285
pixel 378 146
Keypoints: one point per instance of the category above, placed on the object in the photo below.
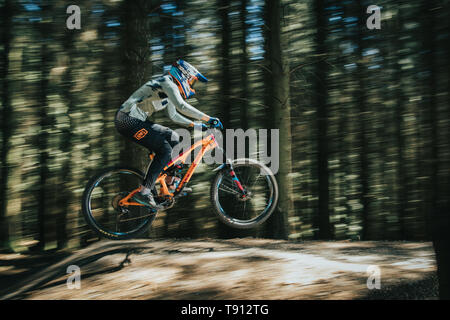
pixel 166 93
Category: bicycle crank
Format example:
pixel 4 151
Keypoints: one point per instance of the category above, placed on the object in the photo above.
pixel 167 202
pixel 115 202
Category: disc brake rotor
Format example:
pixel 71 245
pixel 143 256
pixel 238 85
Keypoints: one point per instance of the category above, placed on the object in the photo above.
pixel 115 202
pixel 244 197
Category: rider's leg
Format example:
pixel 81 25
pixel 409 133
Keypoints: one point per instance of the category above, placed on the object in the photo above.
pixel 155 138
pixel 169 139
pixel 162 157
pixel 172 139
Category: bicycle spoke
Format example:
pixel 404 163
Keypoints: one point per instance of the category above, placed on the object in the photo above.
pixel 258 198
pixel 254 182
pixel 248 177
pixel 228 189
pixel 243 211
pixel 136 218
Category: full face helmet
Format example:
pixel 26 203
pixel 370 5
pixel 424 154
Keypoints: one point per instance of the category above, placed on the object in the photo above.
pixel 185 75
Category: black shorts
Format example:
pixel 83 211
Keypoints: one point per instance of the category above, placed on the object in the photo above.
pixel 146 133
pixel 152 136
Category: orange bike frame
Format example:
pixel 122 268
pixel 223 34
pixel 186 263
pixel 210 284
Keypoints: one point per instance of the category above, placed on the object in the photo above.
pixel 206 144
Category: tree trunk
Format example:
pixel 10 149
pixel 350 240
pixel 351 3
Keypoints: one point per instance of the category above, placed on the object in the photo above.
pixel 43 146
pixel 225 79
pixel 66 195
pixel 441 216
pixel 437 210
pixel 277 100
pixel 430 160
pixel 223 230
pixel 6 122
pixel 244 66
pixel 136 66
pixel 400 109
pixel 361 102
pixel 45 121
pixel 323 224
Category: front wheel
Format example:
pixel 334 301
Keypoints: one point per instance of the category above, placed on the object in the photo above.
pixel 246 195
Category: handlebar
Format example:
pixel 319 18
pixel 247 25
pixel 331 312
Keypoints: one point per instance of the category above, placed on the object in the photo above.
pixel 210 126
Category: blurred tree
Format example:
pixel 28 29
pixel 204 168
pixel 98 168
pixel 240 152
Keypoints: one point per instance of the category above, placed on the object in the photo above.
pixel 361 102
pixel 70 173
pixel 6 120
pixel 277 99
pixel 244 61
pixel 323 218
pixel 135 35
pixel 224 8
pixel 430 154
pixel 66 91
pixel 45 120
pixel 436 205
pixel 399 112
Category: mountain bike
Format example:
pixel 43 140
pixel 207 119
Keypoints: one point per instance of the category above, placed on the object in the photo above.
pixel 243 194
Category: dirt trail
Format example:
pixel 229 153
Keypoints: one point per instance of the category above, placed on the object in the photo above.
pixel 228 269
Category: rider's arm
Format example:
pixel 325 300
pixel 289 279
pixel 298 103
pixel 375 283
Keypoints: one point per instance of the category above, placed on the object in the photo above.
pixel 185 108
pixel 139 95
pixel 176 117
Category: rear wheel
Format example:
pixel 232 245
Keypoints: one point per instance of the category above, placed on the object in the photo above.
pixel 101 209
pixel 244 210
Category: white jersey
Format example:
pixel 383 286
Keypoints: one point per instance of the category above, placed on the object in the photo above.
pixel 161 94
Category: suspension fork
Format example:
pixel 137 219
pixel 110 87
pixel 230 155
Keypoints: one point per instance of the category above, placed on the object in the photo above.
pixel 234 178
pixel 237 182
pixel 228 164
